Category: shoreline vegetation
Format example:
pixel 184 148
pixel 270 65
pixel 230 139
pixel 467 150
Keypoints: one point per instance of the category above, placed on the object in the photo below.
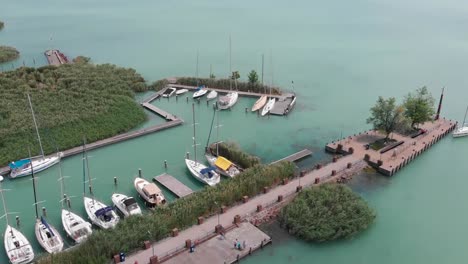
pixel 8 54
pixel 70 101
pixel 131 232
pixel 2 25
pixel 217 83
pixel 327 212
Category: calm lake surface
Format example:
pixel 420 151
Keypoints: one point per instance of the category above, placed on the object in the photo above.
pixel 341 56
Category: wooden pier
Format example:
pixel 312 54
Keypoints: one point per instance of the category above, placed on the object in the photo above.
pixel 241 93
pixel 284 105
pixel 296 156
pixel 55 57
pixel 173 185
pixel 392 161
pixel 159 111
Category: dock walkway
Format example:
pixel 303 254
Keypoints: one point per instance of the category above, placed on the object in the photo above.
pixel 159 111
pixel 173 185
pixel 296 156
pixel 172 245
pixel 283 105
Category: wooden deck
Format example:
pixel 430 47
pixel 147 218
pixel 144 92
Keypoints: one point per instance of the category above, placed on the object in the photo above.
pixel 173 185
pixel 159 111
pixel 113 140
pixel 296 156
pixel 283 105
pixel 248 94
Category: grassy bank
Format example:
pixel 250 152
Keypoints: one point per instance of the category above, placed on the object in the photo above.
pixel 70 101
pixel 131 232
pixel 8 54
pixel 232 152
pixel 219 84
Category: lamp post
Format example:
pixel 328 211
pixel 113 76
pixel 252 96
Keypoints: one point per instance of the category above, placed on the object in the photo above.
pixel 152 245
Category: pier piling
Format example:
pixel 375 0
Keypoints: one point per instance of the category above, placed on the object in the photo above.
pixel 115 180
pixel 139 173
pixel 187 155
pixel 165 164
pixel 18 221
pixel 44 212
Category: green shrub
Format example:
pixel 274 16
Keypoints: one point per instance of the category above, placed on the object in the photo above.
pixel 1 25
pixel 326 212
pixel 131 232
pixel 70 101
pixel 8 54
pixel 232 152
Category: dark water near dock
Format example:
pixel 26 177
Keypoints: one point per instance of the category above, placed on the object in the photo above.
pixel 341 56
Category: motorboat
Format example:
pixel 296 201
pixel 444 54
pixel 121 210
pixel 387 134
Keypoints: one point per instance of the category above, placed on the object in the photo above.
pixel 269 105
pixel 224 166
pixel 75 226
pixel 150 192
pixel 17 246
pixel 204 174
pixel 201 91
pixel 462 130
pixel 169 92
pixel 47 236
pixel 227 101
pixel 212 95
pixel 25 167
pixel 181 91
pixel 126 204
pixel 100 214
pixel 259 103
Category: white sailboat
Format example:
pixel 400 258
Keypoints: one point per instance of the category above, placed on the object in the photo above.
pixel 74 225
pixel 17 246
pixel 269 105
pixel 99 213
pixel 462 129
pixel 126 204
pixel 150 192
pixel 212 95
pixel 259 103
pixel 24 167
pixel 46 234
pixel 223 166
pixel 201 172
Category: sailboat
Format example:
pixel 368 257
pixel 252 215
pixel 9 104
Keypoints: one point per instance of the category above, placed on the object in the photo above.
pixel 46 234
pixel 462 130
pixel 17 246
pixel 229 100
pixel 211 95
pixel 75 226
pixel 24 167
pixel 269 105
pixel 99 213
pixel 259 103
pixel 204 174
pixel 224 166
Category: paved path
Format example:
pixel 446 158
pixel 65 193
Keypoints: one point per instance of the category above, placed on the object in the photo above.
pixel 169 245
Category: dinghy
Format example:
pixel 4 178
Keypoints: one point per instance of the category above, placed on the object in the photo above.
pixel 24 167
pixel 152 195
pixel 212 95
pixel 17 246
pixel 181 91
pixel 267 108
pixel 259 103
pixel 126 205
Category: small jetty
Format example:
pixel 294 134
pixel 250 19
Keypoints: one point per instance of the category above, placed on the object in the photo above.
pixel 159 111
pixel 173 185
pixel 241 93
pixel 392 158
pixel 284 105
pixel 55 57
pixel 296 156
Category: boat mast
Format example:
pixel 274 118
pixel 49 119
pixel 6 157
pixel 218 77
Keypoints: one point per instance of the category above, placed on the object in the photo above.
pixel 4 204
pixel 35 124
pixel 84 171
pixel 196 70
pixel 217 134
pixel 34 184
pixel 62 185
pixel 464 118
pixel 194 141
pixel 230 64
pixel 87 171
pixel 263 62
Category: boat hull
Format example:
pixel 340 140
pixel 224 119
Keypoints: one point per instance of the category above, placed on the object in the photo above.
pixel 39 164
pixel 181 91
pixel 212 95
pixel 195 169
pixel 75 226
pixel 91 206
pixel 259 103
pixel 17 246
pixel 232 100
pixel 460 132
pixel 52 243
pixel 199 93
pixel 268 106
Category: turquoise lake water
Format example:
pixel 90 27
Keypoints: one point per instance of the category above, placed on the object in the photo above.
pixel 341 56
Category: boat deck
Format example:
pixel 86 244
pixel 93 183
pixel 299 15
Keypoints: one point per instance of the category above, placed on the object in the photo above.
pixel 173 185
pixel 296 156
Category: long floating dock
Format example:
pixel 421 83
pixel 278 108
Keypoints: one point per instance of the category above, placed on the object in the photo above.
pixel 241 93
pixel 173 185
pixel 296 156
pixel 159 111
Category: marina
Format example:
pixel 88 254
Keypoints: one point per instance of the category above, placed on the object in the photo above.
pixel 173 185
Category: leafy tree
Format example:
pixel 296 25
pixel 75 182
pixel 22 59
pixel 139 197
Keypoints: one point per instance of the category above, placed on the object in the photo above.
pixel 327 212
pixel 253 77
pixel 8 54
pixel 235 75
pixel 386 115
pixel 419 107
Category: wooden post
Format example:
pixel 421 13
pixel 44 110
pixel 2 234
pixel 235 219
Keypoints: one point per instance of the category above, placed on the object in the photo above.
pixel 175 232
pixel 299 188
pixel 201 220
pixel 188 243
pixel 237 219
pixel 218 229
pixel 154 260
pixel 146 244
pixel 280 198
pixel 223 209
pixel 259 208
pixel 245 199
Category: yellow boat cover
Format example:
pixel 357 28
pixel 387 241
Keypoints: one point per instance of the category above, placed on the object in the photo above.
pixel 223 163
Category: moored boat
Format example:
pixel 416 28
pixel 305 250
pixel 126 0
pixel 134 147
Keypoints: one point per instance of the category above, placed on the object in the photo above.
pixel 75 226
pixel 259 103
pixel 47 236
pixel 100 214
pixel 227 101
pixel 169 92
pixel 461 130
pixel 150 192
pixel 127 205
pixel 201 91
pixel 212 95
pixel 181 91
pixel 201 172
pixel 269 105
pixel 224 166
